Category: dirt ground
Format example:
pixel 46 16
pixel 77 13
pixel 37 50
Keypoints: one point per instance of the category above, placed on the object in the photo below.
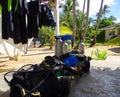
pixel 102 81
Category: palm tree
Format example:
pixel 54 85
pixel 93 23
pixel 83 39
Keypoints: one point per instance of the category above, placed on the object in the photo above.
pixel 98 22
pixel 83 19
pixel 68 9
pixel 105 10
pixel 67 14
pixel 70 16
pixel 74 22
pixel 87 16
pixel 81 22
pixel 112 18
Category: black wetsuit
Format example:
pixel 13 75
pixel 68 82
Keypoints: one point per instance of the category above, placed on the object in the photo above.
pixel 19 22
pixel 33 7
pixel 6 26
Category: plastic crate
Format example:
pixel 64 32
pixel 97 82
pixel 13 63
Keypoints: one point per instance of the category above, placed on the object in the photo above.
pixel 64 37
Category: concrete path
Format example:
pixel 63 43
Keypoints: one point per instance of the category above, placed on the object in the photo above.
pixel 102 81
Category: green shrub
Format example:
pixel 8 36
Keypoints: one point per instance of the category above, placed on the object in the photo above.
pixel 114 42
pixel 101 36
pixel 99 55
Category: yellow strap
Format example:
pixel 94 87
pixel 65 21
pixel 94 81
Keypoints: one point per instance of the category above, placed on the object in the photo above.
pixel 35 94
pixel 23 92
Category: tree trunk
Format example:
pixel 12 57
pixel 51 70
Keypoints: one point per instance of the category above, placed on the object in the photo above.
pixel 98 23
pixel 51 42
pixel 86 27
pixel 74 23
pixel 81 25
pixel 43 41
pixel 81 29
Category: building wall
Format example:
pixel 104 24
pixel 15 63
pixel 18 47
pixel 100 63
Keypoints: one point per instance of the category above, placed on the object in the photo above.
pixel 107 36
pixel 111 33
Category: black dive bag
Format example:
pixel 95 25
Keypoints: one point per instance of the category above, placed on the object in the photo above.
pixel 37 83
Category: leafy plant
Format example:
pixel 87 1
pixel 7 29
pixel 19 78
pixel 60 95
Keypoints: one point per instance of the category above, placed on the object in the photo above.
pixel 46 34
pixel 114 42
pixel 0 9
pixel 99 55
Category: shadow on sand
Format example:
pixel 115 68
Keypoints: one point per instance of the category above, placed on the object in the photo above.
pixel 116 49
pixel 4 94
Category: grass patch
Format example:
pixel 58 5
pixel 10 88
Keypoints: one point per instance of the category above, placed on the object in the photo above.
pixel 99 55
pixel 114 42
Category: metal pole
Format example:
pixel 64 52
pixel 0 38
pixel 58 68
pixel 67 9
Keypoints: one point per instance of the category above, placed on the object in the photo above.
pixel 74 22
pixel 57 33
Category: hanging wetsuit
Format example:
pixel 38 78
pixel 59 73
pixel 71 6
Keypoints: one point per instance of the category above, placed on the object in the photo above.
pixel 19 10
pixel 51 20
pixel 6 25
pixel 46 17
pixel 43 17
pixel 33 7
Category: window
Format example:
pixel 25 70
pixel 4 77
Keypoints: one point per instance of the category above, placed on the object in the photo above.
pixel 112 33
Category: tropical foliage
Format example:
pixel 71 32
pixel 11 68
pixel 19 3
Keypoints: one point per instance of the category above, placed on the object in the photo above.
pixel 92 30
pixel 114 42
pixel 99 55
pixel 86 27
pixel 46 34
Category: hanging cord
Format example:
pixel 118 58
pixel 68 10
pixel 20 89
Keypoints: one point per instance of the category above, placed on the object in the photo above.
pixel 19 70
pixel 26 66
pixel 7 81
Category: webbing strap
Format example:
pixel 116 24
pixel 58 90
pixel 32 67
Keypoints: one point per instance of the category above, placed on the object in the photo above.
pixel 16 6
pixel 9 5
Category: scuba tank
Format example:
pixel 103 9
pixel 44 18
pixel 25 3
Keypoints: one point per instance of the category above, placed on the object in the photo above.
pixel 81 48
pixel 58 46
pixel 65 47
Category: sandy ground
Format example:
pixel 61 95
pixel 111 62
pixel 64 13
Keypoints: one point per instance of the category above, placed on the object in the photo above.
pixel 36 55
pixel 102 81
pixel 33 56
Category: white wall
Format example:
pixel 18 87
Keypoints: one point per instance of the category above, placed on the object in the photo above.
pixel 108 32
